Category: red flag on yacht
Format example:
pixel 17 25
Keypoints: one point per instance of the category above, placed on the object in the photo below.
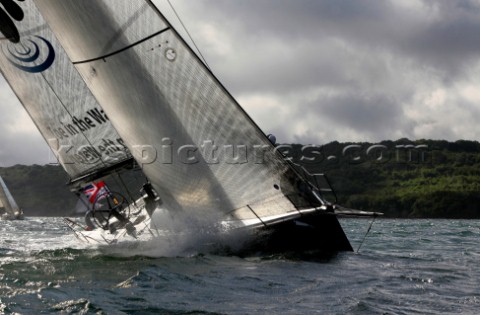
pixel 95 191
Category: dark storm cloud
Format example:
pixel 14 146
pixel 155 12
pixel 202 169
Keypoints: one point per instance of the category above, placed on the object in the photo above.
pixel 307 34
pixel 382 60
pixel 442 35
pixel 371 114
pixel 450 41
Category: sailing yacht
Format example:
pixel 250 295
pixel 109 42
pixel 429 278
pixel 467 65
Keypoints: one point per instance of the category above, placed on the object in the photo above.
pixel 111 85
pixel 11 211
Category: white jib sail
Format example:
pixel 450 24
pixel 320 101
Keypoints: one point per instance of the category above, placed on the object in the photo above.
pixel 52 91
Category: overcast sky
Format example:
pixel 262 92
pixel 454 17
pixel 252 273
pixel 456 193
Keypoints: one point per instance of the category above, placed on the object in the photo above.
pixel 314 71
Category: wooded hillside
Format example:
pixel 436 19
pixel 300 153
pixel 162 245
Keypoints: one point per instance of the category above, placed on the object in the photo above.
pixel 420 179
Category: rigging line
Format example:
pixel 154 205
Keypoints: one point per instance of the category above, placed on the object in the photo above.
pixel 365 236
pixel 189 36
pixel 71 116
pixel 122 29
pixel 132 200
pixel 68 112
pixel 264 224
pixel 147 227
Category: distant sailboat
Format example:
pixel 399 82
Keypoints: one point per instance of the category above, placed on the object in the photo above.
pixel 9 209
pixel 205 158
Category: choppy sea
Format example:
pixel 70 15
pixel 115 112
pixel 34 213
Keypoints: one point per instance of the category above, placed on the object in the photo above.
pixel 403 267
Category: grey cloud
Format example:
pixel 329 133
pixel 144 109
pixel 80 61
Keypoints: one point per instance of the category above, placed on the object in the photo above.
pixel 371 113
pixel 443 35
pixel 377 55
pixel 18 145
pixel 372 116
pixel 27 150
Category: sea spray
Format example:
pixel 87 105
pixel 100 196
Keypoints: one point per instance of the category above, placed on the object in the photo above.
pixel 182 234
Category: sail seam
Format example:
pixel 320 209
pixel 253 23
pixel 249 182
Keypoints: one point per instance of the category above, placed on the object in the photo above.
pixel 81 175
pixel 123 49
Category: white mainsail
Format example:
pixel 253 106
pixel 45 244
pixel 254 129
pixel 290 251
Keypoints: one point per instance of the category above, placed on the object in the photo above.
pixel 163 101
pixel 55 96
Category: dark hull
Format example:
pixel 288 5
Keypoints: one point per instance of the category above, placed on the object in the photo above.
pixel 315 234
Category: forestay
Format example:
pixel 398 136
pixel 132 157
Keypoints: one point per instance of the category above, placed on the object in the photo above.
pixel 198 147
pixel 54 94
